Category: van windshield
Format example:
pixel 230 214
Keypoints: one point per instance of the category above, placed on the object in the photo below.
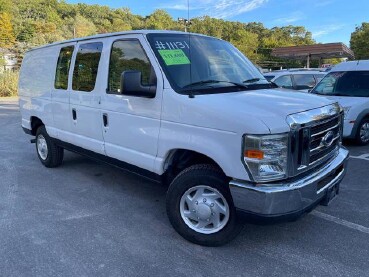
pixel 199 64
pixel 344 83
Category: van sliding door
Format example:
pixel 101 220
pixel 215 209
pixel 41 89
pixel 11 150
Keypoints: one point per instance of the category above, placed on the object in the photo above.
pixel 84 111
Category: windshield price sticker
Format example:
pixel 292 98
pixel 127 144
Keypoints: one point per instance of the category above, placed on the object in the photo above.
pixel 174 57
pixel 162 45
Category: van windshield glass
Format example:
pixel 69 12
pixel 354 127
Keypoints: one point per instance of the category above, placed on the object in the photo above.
pixel 344 83
pixel 199 64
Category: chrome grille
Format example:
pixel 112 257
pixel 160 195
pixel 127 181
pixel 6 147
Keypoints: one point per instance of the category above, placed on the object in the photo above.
pixel 318 150
pixel 315 137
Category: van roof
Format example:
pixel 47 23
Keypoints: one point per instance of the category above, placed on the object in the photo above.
pixel 143 32
pixel 360 65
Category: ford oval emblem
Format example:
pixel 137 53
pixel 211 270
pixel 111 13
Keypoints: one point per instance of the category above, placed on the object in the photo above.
pixel 327 140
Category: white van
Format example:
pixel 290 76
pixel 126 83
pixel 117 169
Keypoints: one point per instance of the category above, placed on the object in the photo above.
pixel 167 106
pixel 348 84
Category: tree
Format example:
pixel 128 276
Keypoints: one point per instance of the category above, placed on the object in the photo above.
pixel 5 6
pixel 359 42
pixel 246 42
pixel 7 38
pixel 83 27
pixel 159 20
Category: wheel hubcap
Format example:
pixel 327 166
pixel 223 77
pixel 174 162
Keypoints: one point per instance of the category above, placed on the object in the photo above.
pixel 42 147
pixel 364 132
pixel 204 209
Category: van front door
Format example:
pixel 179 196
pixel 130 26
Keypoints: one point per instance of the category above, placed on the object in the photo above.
pixel 131 123
pixel 84 110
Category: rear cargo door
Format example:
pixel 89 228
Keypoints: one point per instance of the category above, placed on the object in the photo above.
pixel 61 91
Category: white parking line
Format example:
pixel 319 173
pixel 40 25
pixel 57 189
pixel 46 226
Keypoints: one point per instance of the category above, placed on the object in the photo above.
pixel 342 222
pixel 361 157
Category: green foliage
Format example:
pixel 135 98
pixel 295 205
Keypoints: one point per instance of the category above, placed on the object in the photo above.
pixel 7 38
pixel 159 19
pixel 36 22
pixel 5 6
pixel 360 41
pixel 8 83
pixel 83 27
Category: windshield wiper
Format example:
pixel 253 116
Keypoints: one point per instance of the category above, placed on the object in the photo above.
pixel 252 80
pixel 206 82
pixel 274 85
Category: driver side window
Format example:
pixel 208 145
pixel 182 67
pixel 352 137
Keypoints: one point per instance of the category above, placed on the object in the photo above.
pixel 128 55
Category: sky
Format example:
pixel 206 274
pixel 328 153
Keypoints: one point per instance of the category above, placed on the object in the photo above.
pixel 328 20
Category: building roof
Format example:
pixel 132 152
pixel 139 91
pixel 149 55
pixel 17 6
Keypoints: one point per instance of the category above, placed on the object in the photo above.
pixel 315 51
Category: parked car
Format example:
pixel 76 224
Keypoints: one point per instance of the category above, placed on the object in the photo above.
pixel 189 110
pixel 296 79
pixel 348 84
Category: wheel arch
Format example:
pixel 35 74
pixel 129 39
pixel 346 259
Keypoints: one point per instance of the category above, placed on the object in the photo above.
pixel 363 115
pixel 179 159
pixel 35 124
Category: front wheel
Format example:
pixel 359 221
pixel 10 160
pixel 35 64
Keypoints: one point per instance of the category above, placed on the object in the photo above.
pixel 362 134
pixel 200 206
pixel 48 152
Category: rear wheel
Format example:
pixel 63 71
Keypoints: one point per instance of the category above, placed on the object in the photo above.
pixel 362 134
pixel 48 152
pixel 200 206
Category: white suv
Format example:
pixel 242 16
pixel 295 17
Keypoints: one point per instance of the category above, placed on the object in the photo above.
pixel 189 110
pixel 348 84
pixel 296 79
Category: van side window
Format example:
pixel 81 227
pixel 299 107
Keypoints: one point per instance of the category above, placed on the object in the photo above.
pixel 284 82
pixel 86 66
pixel 304 81
pixel 62 67
pixel 128 55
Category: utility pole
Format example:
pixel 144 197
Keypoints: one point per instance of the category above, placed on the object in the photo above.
pixel 185 22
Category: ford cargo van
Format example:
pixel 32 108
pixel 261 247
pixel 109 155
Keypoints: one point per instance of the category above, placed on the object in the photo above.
pixel 191 111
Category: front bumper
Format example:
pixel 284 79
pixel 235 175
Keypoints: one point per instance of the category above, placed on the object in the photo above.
pixel 289 197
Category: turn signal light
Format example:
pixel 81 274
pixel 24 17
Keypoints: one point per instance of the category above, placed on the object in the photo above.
pixel 254 154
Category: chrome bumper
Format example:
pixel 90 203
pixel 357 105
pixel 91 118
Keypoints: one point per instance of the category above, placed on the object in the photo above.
pixel 290 196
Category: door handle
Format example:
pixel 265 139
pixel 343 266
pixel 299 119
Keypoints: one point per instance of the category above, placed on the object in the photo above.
pixel 74 114
pixel 105 120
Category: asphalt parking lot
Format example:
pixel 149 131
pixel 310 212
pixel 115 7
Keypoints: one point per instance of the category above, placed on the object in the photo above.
pixel 89 219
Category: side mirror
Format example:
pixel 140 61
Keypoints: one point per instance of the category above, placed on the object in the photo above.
pixel 130 84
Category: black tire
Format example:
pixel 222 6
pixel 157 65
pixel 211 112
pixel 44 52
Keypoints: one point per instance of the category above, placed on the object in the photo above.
pixel 204 175
pixel 358 139
pixel 55 154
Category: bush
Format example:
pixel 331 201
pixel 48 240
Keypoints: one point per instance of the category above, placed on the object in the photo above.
pixel 9 83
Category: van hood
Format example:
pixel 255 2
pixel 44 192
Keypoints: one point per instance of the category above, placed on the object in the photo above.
pixel 255 111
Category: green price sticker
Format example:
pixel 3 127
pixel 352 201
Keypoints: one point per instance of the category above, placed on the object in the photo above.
pixel 174 57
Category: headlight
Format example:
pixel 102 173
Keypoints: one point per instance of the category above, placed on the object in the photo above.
pixel 345 111
pixel 266 156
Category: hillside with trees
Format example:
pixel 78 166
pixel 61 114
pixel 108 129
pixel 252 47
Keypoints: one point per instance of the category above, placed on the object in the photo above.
pixel 27 24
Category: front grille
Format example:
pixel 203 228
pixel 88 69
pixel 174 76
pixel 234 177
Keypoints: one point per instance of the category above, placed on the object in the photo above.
pixel 318 150
pixel 315 137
